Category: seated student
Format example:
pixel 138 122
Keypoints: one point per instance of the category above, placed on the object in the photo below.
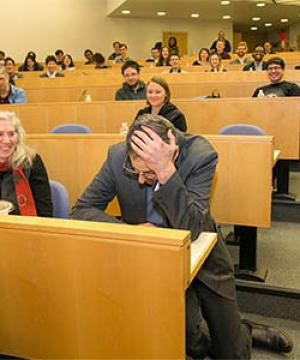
pixel 164 57
pixel 23 177
pixel 268 48
pixel 10 94
pixel 10 69
pixel 123 57
pixel 203 57
pixel 51 64
pixel 172 44
pixel 215 62
pixel 258 64
pixel 158 98
pixel 155 55
pixel 162 178
pixel 88 54
pixel 220 50
pixel 175 65
pixel 59 55
pixel 278 87
pixel 133 88
pixel 30 64
pixel 100 61
pixel 241 52
pixel 68 63
pixel 221 36
pixel 2 55
pixel 116 53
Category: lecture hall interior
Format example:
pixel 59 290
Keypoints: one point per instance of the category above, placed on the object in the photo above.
pixel 109 289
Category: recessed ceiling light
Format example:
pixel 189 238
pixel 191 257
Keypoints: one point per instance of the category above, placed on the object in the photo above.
pixel 256 18
pixel 225 2
pixel 261 4
pixel 226 17
pixel 284 20
pixel 195 15
pixel 126 12
pixel 268 24
pixel 161 13
pixel 253 28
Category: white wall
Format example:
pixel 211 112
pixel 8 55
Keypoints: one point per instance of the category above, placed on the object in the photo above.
pixel 294 32
pixel 74 25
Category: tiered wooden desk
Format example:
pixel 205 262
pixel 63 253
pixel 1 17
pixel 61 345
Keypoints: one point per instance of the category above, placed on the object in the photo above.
pixel 82 290
pixel 242 186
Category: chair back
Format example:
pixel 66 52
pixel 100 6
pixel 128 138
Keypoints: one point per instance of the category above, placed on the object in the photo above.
pixel 242 129
pixel 60 200
pixel 71 129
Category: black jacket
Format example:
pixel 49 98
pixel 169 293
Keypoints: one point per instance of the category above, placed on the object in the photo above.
pixel 251 66
pixel 171 113
pixel 127 93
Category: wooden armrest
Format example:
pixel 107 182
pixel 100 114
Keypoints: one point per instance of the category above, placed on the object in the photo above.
pixel 276 154
pixel 200 249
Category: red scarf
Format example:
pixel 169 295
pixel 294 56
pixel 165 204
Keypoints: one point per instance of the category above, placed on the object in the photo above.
pixel 23 192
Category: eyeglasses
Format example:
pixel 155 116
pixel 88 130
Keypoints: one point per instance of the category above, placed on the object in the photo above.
pixel 270 68
pixel 129 170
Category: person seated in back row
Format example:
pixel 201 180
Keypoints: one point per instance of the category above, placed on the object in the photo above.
pixel 23 176
pixel 215 62
pixel 51 64
pixel 175 65
pixel 158 98
pixel 278 87
pixel 133 88
pixel 258 63
pixel 30 63
pixel 9 93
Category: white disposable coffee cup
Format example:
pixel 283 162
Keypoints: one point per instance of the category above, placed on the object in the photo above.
pixel 5 207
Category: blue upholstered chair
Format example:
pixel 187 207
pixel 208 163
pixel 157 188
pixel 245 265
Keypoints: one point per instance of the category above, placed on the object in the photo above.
pixel 241 129
pixel 71 129
pixel 60 200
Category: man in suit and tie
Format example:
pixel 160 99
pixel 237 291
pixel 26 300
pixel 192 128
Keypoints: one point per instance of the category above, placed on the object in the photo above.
pixel 162 177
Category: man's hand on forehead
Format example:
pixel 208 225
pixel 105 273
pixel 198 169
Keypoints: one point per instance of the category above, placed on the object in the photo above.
pixel 157 155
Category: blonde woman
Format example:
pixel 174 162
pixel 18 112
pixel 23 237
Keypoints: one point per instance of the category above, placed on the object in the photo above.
pixel 23 176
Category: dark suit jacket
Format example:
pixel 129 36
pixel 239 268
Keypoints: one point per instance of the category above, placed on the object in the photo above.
pixel 183 202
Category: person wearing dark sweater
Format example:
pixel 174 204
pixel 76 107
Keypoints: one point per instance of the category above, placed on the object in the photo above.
pixel 51 72
pixel 277 87
pixel 133 88
pixel 158 98
pixel 23 176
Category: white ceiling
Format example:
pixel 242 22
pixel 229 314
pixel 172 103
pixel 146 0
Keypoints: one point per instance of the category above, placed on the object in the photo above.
pixel 241 11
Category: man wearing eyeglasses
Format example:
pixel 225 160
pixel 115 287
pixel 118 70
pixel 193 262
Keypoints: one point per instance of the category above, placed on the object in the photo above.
pixel 162 177
pixel 278 87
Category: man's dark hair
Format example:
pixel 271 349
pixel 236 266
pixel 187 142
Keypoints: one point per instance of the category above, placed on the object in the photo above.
pixel 88 51
pixel 157 123
pixel 99 58
pixel 50 58
pixel 116 42
pixel 9 59
pixel 59 52
pixel 2 53
pixel 276 61
pixel 130 64
pixel 123 46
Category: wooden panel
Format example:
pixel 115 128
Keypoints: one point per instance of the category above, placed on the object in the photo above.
pixel 243 184
pixel 81 290
pixel 278 117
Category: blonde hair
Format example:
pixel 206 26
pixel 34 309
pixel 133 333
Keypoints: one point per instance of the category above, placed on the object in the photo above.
pixel 23 155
